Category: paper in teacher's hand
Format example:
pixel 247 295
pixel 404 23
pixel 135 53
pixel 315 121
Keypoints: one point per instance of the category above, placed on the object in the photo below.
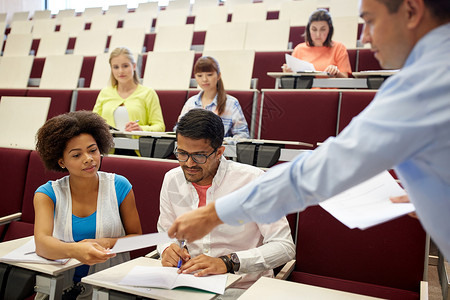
pixel 140 241
pixel 367 204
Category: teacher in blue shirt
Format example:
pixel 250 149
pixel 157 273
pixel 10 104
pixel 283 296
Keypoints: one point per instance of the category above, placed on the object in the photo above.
pixel 407 127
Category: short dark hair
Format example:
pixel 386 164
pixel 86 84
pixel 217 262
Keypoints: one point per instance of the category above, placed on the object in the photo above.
pixel 200 124
pixel 53 136
pixel 439 8
pixel 320 15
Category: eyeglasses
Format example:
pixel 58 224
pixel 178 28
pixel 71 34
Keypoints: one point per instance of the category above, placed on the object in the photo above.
pixel 198 158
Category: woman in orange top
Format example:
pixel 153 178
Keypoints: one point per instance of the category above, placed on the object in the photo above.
pixel 326 55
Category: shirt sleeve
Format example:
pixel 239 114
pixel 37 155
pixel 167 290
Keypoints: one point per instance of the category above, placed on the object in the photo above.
pixel 342 60
pixel 123 187
pixel 240 127
pixel 166 214
pixel 154 112
pixel 47 189
pixel 277 249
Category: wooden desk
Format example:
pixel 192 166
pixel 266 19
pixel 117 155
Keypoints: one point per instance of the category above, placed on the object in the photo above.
pixel 374 78
pixel 50 279
pixel 306 80
pixel 270 288
pixel 109 279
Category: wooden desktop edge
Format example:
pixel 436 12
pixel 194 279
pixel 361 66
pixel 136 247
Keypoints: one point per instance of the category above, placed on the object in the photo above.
pixel 293 74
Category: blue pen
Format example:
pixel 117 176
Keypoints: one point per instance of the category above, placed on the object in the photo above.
pixel 180 261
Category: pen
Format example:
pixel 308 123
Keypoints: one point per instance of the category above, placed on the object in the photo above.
pixel 137 121
pixel 32 252
pixel 180 261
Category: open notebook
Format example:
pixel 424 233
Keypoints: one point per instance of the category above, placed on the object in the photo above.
pixel 168 278
pixel 298 65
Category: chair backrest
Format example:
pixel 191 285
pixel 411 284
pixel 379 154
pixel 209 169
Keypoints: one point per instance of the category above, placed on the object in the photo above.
pixel 182 5
pixel 14 164
pixel 18 45
pixel 297 12
pixel 227 36
pixel 160 69
pixel 102 72
pixel 367 61
pixel 21 27
pixel 119 10
pixel 106 23
pixel 206 16
pixel 249 12
pixel 391 254
pixel 133 38
pixel 352 103
pixel 86 99
pixel 272 35
pixel 139 20
pixel 89 12
pixel 305 116
pixel 151 7
pixel 73 26
pixel 343 8
pixel 22 134
pixel 61 100
pixel 174 17
pixel 270 61
pixel 90 43
pixel 15 71
pixel 171 104
pixel 43 27
pixel 64 13
pixel 55 75
pixel 20 16
pixel 53 44
pixel 42 14
pixel 174 38
pixel 236 67
pixel 346 30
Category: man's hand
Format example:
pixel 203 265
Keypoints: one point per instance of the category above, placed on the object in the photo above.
pixel 403 199
pixel 207 264
pixel 195 224
pixel 172 254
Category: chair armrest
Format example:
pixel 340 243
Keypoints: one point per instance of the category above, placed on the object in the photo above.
pixel 286 270
pixel 424 290
pixel 154 254
pixel 9 218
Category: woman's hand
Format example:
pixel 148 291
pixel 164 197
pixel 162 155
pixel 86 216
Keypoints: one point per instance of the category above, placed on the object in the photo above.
pixel 132 126
pixel 286 69
pixel 91 253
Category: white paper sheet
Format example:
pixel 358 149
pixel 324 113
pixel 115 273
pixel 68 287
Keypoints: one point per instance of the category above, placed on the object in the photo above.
pixel 168 278
pixel 298 65
pixel 26 253
pixel 368 204
pixel 141 241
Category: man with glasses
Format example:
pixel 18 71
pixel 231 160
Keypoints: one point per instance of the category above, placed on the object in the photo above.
pixel 251 250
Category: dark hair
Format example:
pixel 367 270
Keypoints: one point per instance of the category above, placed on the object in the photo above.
pixel 439 8
pixel 53 136
pixel 209 64
pixel 320 15
pixel 200 124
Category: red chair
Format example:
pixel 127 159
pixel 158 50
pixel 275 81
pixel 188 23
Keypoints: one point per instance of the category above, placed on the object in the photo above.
pixel 352 103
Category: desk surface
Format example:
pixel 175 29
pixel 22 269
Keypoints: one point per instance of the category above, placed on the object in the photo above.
pixel 111 277
pixel 270 288
pixel 365 74
pixel 53 270
pixel 299 74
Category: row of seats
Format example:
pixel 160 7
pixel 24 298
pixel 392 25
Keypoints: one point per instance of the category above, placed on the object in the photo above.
pixel 290 115
pixel 384 261
pixel 238 69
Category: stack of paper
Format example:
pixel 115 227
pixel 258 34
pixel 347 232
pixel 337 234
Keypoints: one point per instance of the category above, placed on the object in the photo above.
pixel 141 241
pixel 168 278
pixel 367 204
pixel 298 65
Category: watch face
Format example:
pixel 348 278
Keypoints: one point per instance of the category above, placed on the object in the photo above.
pixel 235 258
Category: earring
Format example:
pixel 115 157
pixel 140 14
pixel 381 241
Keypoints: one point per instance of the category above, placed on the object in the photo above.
pixel 62 167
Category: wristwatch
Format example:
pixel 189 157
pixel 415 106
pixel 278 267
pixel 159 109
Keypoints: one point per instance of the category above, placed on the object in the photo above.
pixel 235 261
pixel 227 263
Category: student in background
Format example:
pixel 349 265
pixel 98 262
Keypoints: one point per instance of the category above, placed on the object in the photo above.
pixel 204 175
pixel 83 214
pixel 319 49
pixel 126 104
pixel 213 97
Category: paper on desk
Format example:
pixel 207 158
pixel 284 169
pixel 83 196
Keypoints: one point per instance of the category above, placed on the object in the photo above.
pixel 298 65
pixel 140 241
pixel 26 253
pixel 367 204
pixel 168 278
